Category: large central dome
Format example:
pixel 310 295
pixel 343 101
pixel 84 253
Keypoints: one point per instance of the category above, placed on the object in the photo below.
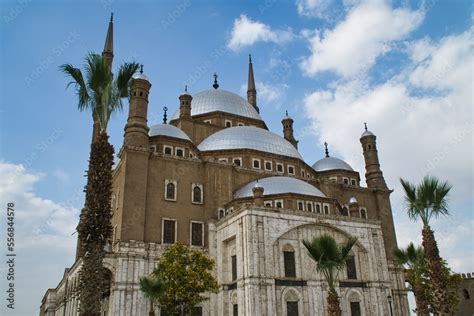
pixel 217 100
pixel 249 137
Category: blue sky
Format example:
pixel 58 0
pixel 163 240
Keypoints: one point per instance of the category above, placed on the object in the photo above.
pixel 401 66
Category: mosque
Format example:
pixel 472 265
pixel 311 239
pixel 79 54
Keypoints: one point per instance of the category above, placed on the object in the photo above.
pixel 215 178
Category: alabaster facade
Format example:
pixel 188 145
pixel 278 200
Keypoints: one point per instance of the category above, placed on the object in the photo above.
pixel 214 177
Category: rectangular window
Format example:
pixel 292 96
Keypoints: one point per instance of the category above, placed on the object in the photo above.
pixel 292 308
pixel 309 207
pixel 355 309
pixel 234 267
pixel 169 231
pixel 353 182
pixel 237 162
pixel 291 170
pixel 235 310
pixel 289 262
pixel 279 203
pixel 197 232
pixel 167 150
pixel 268 165
pixel 179 152
pixel 279 167
pixel 300 206
pixel 256 163
pixel 351 268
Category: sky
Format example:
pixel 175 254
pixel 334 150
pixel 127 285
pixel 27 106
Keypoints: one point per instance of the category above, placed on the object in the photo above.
pixel 404 67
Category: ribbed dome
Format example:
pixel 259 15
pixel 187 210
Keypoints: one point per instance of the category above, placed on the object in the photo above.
pixel 167 130
pixel 331 163
pixel 222 101
pixel 249 137
pixel 279 185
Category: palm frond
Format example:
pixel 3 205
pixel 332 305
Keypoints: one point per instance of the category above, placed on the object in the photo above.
pixel 79 84
pixel 124 77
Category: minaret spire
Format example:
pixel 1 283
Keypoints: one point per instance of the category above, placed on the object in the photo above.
pixel 326 150
pixel 251 91
pixel 108 52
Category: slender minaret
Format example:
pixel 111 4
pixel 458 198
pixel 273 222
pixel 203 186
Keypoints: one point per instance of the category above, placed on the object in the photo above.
pixel 136 129
pixel 251 91
pixel 288 130
pixel 373 173
pixel 108 52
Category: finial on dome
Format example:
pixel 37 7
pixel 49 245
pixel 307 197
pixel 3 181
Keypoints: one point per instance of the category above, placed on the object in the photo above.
pixel 365 125
pixel 215 85
pixel 286 112
pixel 186 88
pixel 141 68
pixel 111 17
pixel 165 116
pixel 326 149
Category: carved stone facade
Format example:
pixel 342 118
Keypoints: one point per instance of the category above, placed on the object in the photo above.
pixel 216 178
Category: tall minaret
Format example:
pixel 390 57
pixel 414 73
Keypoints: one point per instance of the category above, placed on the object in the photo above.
pixel 251 91
pixel 108 52
pixel 373 173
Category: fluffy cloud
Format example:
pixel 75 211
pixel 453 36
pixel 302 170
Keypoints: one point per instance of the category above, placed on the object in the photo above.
pixel 368 31
pixel 43 230
pixel 423 121
pixel 316 8
pixel 246 32
pixel 268 94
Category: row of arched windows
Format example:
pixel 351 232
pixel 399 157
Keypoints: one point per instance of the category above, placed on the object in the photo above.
pixel 171 191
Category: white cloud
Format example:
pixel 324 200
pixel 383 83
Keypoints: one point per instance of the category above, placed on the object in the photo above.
pixel 43 235
pixel 315 8
pixel 246 32
pixel 368 31
pixel 268 94
pixel 427 133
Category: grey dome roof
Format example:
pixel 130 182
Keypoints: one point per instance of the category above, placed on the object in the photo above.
pixel 167 130
pixel 367 133
pixel 223 101
pixel 249 137
pixel 331 163
pixel 279 185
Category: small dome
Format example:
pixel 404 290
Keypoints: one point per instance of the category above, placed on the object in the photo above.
pixel 367 133
pixel 140 75
pixel 249 137
pixel 167 130
pixel 279 185
pixel 331 163
pixel 218 100
pixel 352 200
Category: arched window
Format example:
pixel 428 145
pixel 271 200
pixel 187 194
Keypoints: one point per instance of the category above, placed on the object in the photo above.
pixel 300 206
pixel 363 214
pixel 326 209
pixel 197 194
pixel 289 263
pixel 345 211
pixel 309 207
pixel 170 193
pixel 466 295
pixel 351 268
pixel 318 208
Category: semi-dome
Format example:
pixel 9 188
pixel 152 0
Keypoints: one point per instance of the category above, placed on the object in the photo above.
pixel 331 163
pixel 218 100
pixel 278 185
pixel 249 137
pixel 167 130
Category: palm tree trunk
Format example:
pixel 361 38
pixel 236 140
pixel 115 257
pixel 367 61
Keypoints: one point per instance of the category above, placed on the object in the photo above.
pixel 95 225
pixel 152 309
pixel 334 309
pixel 438 283
pixel 420 299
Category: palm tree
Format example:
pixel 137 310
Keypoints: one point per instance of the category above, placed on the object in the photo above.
pixel 102 94
pixel 413 259
pixel 330 259
pixel 424 201
pixel 152 287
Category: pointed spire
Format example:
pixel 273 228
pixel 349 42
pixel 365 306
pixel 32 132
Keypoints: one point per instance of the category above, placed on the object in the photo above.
pixel 215 85
pixel 108 52
pixel 165 116
pixel 326 149
pixel 251 80
pixel 365 125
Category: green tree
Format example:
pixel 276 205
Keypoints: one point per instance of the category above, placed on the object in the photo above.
pixel 413 259
pixel 428 199
pixel 100 93
pixel 187 276
pixel 152 287
pixel 330 258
